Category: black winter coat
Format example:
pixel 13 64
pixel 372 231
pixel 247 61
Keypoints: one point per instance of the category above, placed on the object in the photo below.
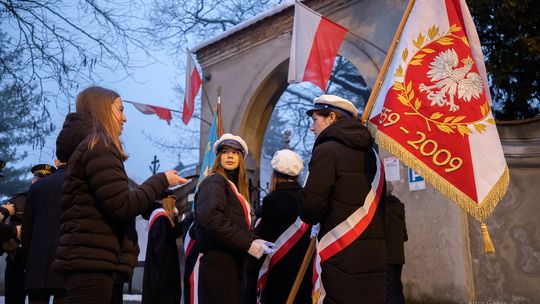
pixel 161 280
pixel 224 237
pixel 40 232
pixel 396 232
pixel 97 228
pixel 341 170
pixel 279 212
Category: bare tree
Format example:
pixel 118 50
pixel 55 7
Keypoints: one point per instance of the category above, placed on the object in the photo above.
pixel 177 23
pixel 68 43
pixel 48 48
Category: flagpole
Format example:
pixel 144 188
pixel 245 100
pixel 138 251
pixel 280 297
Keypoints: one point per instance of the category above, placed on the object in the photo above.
pixel 387 60
pixel 218 109
pixel 302 272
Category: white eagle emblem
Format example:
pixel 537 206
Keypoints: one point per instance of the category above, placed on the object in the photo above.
pixel 449 80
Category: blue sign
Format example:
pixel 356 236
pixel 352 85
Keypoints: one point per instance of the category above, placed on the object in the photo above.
pixel 416 181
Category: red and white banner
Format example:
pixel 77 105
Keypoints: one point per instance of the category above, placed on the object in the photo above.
pixel 433 109
pixel 193 84
pixel 162 113
pixel 315 43
pixel 347 231
pixel 282 246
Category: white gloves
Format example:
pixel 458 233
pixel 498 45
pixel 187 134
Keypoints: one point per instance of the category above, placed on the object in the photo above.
pixel 315 230
pixel 259 247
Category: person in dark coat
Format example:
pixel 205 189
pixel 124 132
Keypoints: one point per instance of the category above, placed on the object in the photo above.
pixel 342 172
pixel 223 224
pixel 14 279
pixel 161 279
pixel 98 240
pixel 40 233
pixel 279 212
pixel 191 255
pixel 396 235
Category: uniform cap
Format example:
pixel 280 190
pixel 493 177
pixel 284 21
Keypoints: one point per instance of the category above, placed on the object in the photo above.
pixel 42 170
pixel 287 162
pixel 333 103
pixel 233 141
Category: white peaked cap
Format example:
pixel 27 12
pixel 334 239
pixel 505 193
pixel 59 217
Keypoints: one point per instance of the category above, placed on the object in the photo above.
pixel 333 103
pixel 287 162
pixel 233 141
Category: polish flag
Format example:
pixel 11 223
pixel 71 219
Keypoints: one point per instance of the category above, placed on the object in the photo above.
pixel 193 84
pixel 315 44
pixel 162 113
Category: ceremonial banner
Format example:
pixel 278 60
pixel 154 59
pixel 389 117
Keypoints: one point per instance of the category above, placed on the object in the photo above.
pixel 162 113
pixel 215 133
pixel 315 43
pixel 432 108
pixel 193 84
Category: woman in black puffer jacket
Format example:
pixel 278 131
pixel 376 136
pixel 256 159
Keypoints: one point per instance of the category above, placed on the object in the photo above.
pixel 342 173
pixel 97 233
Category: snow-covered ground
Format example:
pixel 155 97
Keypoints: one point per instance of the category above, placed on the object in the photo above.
pixel 128 299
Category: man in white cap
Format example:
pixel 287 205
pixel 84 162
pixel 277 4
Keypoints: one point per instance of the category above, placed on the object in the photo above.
pixel 351 260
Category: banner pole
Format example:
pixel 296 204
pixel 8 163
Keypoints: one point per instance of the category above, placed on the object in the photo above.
pixel 302 271
pixel 387 60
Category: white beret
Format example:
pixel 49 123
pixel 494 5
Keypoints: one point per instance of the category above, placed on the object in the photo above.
pixel 287 162
pixel 233 141
pixel 333 103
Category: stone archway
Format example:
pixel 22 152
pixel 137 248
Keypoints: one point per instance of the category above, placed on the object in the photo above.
pixel 250 63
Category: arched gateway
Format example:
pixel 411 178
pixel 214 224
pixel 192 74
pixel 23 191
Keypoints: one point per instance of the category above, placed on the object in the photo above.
pixel 444 262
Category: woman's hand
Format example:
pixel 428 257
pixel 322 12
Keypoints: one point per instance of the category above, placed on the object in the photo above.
pixel 173 179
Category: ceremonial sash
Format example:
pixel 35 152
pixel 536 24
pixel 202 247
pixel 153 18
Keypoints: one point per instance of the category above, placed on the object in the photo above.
pixel 347 231
pixel 155 214
pixel 194 281
pixel 189 243
pixel 283 245
pixel 245 204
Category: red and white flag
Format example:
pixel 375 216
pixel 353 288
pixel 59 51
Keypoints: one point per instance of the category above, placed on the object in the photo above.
pixel 193 84
pixel 162 113
pixel 433 108
pixel 315 43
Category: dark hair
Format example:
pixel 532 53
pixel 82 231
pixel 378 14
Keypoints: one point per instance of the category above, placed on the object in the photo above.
pixel 325 113
pixel 278 178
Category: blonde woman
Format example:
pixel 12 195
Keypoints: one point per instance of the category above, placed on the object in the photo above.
pixel 97 228
pixel 223 218
pixel 161 280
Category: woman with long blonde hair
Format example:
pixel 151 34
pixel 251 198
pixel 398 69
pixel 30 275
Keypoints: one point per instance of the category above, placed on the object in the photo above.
pixel 223 219
pixel 97 229
pixel 161 279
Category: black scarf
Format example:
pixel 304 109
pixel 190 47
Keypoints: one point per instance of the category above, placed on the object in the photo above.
pixel 232 176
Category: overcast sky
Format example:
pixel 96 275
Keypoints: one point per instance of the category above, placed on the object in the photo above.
pixel 153 84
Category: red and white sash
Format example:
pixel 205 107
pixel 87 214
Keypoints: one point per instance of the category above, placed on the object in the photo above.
pixel 283 245
pixel 347 231
pixel 155 214
pixel 194 281
pixel 245 204
pixel 189 243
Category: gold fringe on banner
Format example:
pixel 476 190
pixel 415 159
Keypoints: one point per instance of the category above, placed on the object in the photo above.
pixel 488 244
pixel 480 211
